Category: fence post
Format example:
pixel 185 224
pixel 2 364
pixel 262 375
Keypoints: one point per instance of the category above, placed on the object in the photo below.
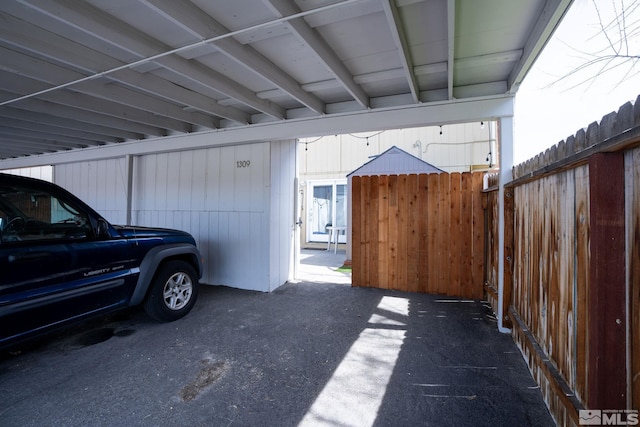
pixel 607 319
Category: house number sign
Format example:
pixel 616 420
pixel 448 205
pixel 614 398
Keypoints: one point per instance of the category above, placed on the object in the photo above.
pixel 243 163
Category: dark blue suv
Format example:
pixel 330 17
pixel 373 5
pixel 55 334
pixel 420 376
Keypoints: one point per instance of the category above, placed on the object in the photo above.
pixel 60 261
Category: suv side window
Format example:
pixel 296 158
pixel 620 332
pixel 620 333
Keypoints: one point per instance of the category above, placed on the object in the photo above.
pixel 28 214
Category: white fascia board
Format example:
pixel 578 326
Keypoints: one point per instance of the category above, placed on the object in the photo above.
pixel 424 114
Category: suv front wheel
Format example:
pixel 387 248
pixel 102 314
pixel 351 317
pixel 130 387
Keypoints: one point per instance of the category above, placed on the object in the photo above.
pixel 173 292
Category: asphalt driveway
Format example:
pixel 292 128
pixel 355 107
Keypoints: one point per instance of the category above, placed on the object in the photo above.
pixel 307 354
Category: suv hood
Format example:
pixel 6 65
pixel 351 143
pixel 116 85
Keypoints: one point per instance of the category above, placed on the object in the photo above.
pixel 142 232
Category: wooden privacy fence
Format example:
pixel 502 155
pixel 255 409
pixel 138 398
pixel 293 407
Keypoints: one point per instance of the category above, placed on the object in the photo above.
pixel 419 233
pixel 572 266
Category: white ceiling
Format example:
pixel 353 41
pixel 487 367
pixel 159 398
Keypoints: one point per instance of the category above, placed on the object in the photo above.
pixel 77 74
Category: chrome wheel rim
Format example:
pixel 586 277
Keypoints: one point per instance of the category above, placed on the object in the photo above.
pixel 177 291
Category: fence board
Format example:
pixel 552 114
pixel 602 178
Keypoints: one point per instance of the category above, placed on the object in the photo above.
pixel 432 232
pixel 420 234
pixel 455 234
pixel 402 257
pixel 356 231
pixel 413 234
pixel 582 221
pixel 479 235
pixel 633 176
pixel 424 232
pixel 444 238
pixel 372 229
pixel 382 252
pixel 394 229
pixel 466 229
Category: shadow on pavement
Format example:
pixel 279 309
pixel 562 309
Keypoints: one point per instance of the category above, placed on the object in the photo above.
pixel 306 354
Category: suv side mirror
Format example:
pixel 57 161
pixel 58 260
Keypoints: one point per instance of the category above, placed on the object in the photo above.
pixel 102 230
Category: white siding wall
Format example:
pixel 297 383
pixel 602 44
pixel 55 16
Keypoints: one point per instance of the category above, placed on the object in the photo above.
pixel 241 214
pixel 282 209
pixel 455 150
pixel 100 184
pixel 39 172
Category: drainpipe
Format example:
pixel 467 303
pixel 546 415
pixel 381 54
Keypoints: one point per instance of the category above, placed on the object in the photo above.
pixel 505 130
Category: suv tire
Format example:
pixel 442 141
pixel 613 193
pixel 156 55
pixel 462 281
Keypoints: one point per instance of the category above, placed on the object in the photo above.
pixel 173 292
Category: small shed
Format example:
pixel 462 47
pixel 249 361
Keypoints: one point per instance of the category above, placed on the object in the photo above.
pixel 394 161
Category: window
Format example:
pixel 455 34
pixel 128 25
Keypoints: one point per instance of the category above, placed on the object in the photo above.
pixel 326 207
pixel 30 214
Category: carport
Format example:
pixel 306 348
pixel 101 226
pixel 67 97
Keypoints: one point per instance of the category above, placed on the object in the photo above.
pixel 186 114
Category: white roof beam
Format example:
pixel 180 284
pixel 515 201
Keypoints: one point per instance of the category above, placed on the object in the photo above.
pixel 397 32
pixel 198 23
pixel 451 34
pixel 37 138
pixel 52 46
pixel 423 114
pixel 81 115
pixel 96 23
pixel 6 123
pixel 101 132
pixel 20 85
pixel 284 8
pixel 56 75
pixel 19 144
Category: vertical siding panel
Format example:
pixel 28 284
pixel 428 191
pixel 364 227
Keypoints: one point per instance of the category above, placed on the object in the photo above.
pixel 424 233
pixel 103 184
pixel 159 195
pixel 212 187
pixel 413 235
pixel 172 189
pixel 198 187
pixel 242 177
pixel 226 185
pixel 455 231
pixel 383 231
pixel 185 180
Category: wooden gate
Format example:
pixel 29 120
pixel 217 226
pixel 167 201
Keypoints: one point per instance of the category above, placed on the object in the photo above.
pixel 419 233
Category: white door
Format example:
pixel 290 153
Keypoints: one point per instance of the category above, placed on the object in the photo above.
pixel 326 207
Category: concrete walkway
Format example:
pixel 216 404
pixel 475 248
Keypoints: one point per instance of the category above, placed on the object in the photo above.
pixel 321 266
pixel 310 353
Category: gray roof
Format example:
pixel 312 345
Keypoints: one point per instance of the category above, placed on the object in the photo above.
pixel 395 161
